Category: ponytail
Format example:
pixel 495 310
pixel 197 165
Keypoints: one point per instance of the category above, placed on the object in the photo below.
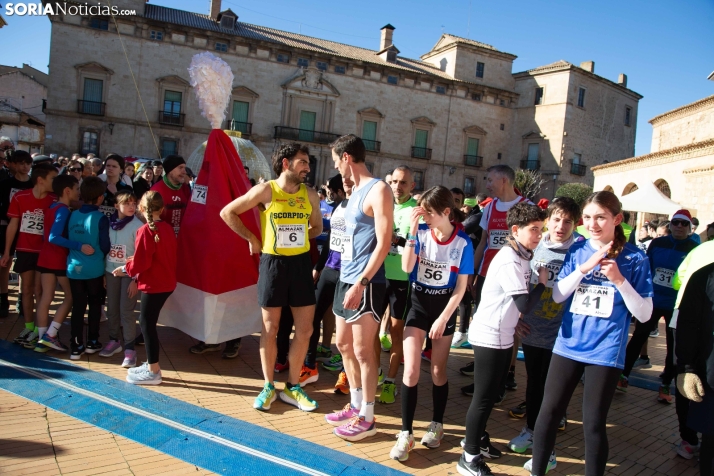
pixel 618 244
pixel 151 202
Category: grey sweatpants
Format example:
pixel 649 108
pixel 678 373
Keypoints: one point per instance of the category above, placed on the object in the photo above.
pixel 120 309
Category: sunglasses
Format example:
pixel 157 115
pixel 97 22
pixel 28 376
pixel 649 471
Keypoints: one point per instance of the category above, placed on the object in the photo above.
pixel 679 223
pixel 75 169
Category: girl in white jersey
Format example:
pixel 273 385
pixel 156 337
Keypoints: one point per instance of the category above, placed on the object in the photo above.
pixel 439 256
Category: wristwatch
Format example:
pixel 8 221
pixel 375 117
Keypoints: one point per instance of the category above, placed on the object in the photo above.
pixel 364 281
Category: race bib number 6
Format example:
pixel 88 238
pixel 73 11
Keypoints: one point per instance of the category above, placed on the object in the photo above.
pixel 433 273
pixel 593 300
pixel 33 223
pixel 497 238
pixel 663 277
pixel 117 254
pixel 291 236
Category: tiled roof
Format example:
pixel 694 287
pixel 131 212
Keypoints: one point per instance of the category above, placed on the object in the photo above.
pixel 558 65
pixel 459 39
pixel 686 109
pixel 705 144
pixel 295 40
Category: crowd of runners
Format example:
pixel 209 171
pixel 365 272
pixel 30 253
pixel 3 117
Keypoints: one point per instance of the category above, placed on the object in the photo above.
pixel 384 269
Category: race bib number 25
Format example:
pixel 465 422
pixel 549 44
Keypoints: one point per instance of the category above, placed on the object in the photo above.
pixel 33 223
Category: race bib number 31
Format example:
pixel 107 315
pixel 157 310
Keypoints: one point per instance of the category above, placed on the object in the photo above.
pixel 200 192
pixel 433 273
pixel 592 300
pixel 497 238
pixel 291 236
pixel 33 223
pixel 663 277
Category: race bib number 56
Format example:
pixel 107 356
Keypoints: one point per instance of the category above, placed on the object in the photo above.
pixel 433 273
pixel 291 236
pixel 592 300
pixel 33 223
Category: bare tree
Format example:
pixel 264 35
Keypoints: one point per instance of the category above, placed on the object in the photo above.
pixel 529 182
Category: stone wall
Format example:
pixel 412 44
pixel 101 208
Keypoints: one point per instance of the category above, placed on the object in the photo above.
pixel 25 93
pixel 686 125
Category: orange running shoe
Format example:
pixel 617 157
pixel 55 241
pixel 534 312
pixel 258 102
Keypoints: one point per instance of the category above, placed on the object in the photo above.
pixel 308 375
pixel 342 386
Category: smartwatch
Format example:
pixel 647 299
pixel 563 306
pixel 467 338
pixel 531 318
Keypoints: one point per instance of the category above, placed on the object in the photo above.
pixel 364 281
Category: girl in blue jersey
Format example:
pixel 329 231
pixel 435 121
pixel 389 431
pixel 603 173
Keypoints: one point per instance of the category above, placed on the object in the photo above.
pixel 602 281
pixel 439 256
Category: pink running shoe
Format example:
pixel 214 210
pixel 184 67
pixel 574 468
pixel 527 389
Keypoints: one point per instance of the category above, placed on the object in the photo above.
pixel 357 429
pixel 342 416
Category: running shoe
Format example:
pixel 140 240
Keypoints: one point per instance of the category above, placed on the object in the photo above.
pixel 342 386
pixel 20 339
pixel 563 423
pixel 53 343
pixel 404 444
pixel 231 349
pixel 265 398
pixel 323 354
pixel 477 466
pixel 664 396
pixel 145 377
pixel 356 429
pixel 487 449
pixel 426 355
pixel 129 359
pixel 468 390
pixel 308 375
pixel 94 346
pixel 459 339
pixel 655 333
pixel 341 417
pixel 77 352
pixel 500 399
pixel 200 348
pixel 385 342
pixel 297 397
pixel 511 380
pixel 31 340
pixel 623 383
pixel 380 378
pixel 686 451
pixel 519 411
pixel 468 370
pixel 522 442
pixel 433 436
pixel 552 463
pixel 334 364
pixel 282 367
pixel 389 393
pixel 113 347
pixel 41 348
pixel 140 368
pixel 642 363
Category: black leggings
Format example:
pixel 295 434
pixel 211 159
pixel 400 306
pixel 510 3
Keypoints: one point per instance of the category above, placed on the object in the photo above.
pixel 537 364
pixel 563 377
pixel 640 336
pixel 324 295
pixel 466 318
pixel 706 456
pixel 86 292
pixel 151 305
pixel 465 311
pixel 493 367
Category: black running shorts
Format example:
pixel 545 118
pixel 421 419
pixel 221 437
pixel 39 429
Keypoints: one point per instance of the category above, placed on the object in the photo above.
pixel 25 261
pixel 427 304
pixel 285 281
pixel 399 298
pixel 373 302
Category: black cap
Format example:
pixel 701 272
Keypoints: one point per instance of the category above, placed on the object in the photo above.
pixel 38 159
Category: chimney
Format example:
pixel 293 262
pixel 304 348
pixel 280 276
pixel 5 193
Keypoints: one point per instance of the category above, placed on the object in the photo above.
pixel 215 9
pixel 622 80
pixel 386 40
pixel 588 66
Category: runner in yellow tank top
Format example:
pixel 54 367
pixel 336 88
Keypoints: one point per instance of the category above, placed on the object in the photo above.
pixel 284 223
pixel 289 218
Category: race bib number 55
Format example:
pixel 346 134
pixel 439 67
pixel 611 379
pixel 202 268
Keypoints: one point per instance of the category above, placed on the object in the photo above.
pixel 593 300
pixel 291 236
pixel 497 238
pixel 33 223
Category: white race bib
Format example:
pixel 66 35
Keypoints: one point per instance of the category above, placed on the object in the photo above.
pixel 433 273
pixel 553 271
pixel 291 236
pixel 497 238
pixel 337 241
pixel 107 211
pixel 593 300
pixel 117 254
pixel 33 223
pixel 199 194
pixel 663 277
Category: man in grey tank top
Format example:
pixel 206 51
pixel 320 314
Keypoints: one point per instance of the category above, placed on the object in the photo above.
pixel 359 296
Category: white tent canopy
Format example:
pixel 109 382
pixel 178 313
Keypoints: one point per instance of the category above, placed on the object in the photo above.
pixel 649 199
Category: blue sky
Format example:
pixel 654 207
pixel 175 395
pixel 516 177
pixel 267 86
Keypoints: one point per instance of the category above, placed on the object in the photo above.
pixel 665 47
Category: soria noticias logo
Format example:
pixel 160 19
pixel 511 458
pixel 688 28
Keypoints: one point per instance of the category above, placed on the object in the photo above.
pixel 62 8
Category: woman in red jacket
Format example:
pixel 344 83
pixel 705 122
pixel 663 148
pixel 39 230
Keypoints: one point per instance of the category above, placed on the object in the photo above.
pixel 154 267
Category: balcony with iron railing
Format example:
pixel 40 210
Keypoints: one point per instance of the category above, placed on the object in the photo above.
pixel 171 118
pixel 372 145
pixel 90 107
pixel 577 169
pixel 304 135
pixel 473 160
pixel 421 153
pixel 530 164
pixel 245 128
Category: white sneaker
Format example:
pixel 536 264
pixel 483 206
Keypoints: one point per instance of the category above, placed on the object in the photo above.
pixel 138 369
pixel 552 463
pixel 459 339
pixel 522 442
pixel 404 444
pixel 144 377
pixel 434 434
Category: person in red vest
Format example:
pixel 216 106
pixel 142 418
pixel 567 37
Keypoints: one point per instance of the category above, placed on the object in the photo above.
pixel 174 191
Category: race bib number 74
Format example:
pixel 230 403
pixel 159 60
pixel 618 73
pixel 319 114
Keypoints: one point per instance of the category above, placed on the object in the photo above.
pixel 593 300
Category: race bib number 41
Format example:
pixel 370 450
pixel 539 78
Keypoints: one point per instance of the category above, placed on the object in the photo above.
pixel 291 236
pixel 593 300
pixel 663 277
pixel 200 192
pixel 497 238
pixel 433 273
pixel 33 223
